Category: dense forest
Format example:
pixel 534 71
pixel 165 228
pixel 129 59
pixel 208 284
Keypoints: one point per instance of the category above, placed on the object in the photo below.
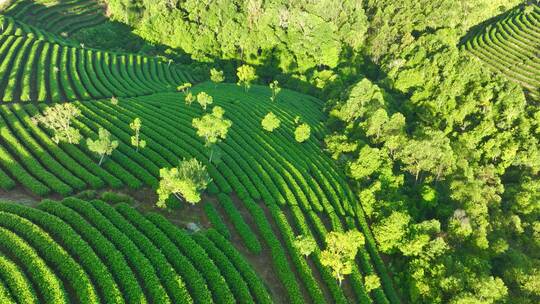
pixel 427 117
pixel 442 152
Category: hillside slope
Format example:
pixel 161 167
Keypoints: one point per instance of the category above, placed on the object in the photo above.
pixel 313 195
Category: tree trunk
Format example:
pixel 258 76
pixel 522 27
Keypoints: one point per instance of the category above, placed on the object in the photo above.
pixel 211 154
pixel 101 159
pixel 178 196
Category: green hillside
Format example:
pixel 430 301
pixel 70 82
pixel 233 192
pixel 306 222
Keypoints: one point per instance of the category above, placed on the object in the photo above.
pixel 258 166
pixel 510 44
pixel 270 151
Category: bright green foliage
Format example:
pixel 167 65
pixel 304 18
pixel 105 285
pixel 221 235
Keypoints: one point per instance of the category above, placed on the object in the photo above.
pixel 393 24
pixel 103 145
pixel 341 249
pixel 212 127
pixel 189 98
pixel 184 87
pixel 368 162
pixel 185 182
pixel 114 101
pixel 136 140
pixel 246 75
pixel 372 282
pixel 216 76
pixel 270 122
pixel 58 118
pixel 203 99
pixel 305 244
pixel 302 132
pixel 274 87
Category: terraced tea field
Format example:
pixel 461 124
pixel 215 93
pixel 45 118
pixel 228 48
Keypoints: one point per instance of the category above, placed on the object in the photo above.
pixel 266 187
pixel 511 45
pixel 76 251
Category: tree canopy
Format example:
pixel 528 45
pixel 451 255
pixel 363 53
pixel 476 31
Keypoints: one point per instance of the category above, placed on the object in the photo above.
pixel 184 182
pixel 58 118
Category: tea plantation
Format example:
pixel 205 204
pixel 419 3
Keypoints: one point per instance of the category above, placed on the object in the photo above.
pixel 267 187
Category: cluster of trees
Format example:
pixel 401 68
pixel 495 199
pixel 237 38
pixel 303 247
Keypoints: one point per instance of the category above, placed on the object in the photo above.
pixel 309 45
pixel 445 158
pixel 309 42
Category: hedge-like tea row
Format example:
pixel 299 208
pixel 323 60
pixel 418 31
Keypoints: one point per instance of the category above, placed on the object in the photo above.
pixel 71 272
pixel 510 45
pixel 75 246
pixel 217 221
pixel 100 253
pixel 238 286
pixel 16 281
pixel 221 292
pixel 193 279
pixel 44 278
pixel 171 280
pixel 109 254
pixel 257 289
pixel 141 265
pixel 248 237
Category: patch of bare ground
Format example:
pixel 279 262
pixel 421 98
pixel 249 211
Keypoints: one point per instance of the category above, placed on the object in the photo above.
pixel 22 196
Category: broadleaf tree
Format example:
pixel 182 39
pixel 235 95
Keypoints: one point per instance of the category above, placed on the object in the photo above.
pixel 216 76
pixel 270 122
pixel 58 118
pixel 302 132
pixel 204 100
pixel 104 145
pixel 274 87
pixel 184 182
pixel 136 140
pixel 305 244
pixel 341 249
pixel 246 75
pixel 212 127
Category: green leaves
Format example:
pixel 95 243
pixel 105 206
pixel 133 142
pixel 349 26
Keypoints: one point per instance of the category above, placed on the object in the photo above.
pixel 305 244
pixel 246 75
pixel 202 98
pixel 270 122
pixel 104 145
pixel 58 118
pixel 185 181
pixel 274 86
pixel 216 76
pixel 136 140
pixel 302 132
pixel 212 127
pixel 341 249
